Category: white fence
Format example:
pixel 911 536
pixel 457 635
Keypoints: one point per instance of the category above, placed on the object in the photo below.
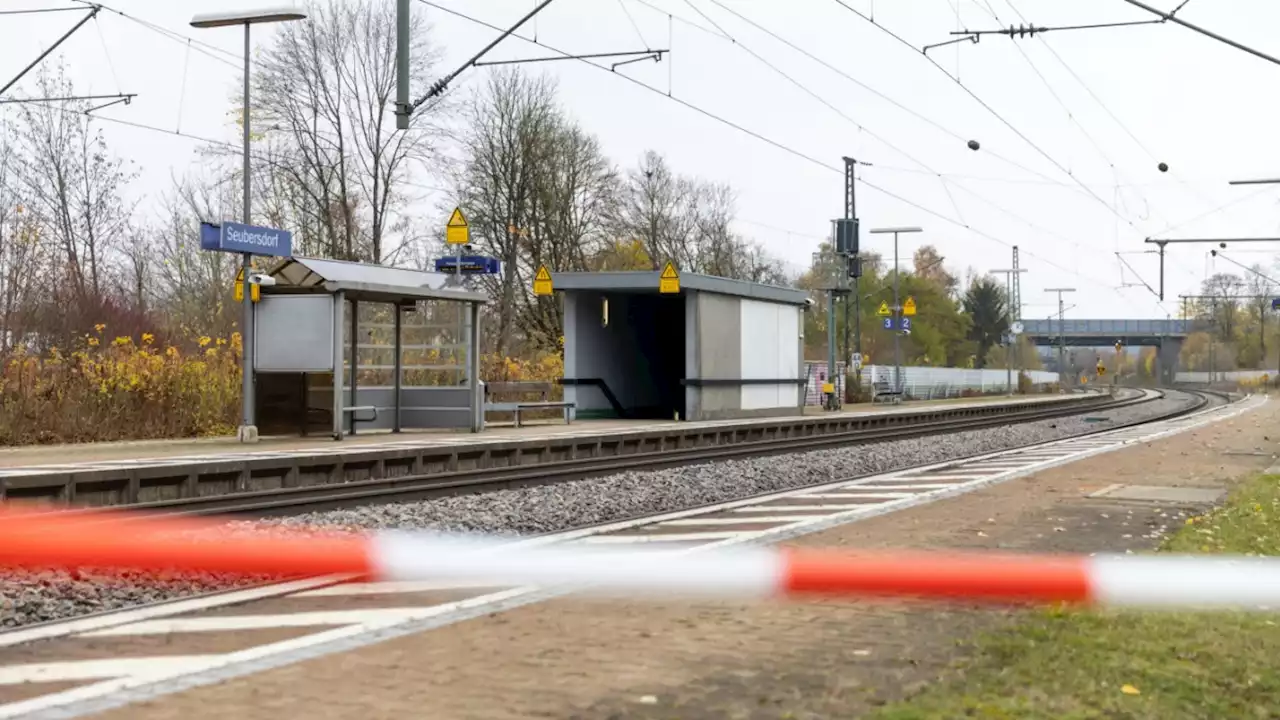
pixel 1223 376
pixel 925 383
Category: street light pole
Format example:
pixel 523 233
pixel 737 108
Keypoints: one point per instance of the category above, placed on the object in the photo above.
pixel 248 431
pixel 1062 333
pixel 897 306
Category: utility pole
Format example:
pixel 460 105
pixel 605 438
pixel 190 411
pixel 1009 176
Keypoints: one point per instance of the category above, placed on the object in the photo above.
pixel 1017 309
pixel 847 265
pixel 1009 274
pixel 854 271
pixel 1062 332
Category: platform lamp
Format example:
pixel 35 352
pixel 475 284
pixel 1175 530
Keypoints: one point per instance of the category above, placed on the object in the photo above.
pixel 248 431
pixel 897 306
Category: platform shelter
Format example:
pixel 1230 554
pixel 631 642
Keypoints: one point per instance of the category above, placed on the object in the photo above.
pixel 667 345
pixel 322 316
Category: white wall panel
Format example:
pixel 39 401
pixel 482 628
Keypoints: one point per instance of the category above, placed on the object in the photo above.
pixel 766 330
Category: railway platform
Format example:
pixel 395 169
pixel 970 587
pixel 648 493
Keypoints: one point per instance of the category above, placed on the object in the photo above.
pixel 165 471
pixel 326 649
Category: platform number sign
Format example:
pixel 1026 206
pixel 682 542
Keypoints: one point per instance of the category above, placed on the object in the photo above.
pixel 669 280
pixel 542 281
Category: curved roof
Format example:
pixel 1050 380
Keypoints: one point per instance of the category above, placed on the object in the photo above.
pixel 364 281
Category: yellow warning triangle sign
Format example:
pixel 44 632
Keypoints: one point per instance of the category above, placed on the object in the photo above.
pixel 542 281
pixel 884 309
pixel 255 291
pixel 457 231
pixel 669 280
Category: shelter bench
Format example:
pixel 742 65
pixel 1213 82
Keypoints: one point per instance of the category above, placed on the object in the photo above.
pixel 882 389
pixel 517 407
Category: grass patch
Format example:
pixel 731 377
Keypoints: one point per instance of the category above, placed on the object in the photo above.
pixel 1098 664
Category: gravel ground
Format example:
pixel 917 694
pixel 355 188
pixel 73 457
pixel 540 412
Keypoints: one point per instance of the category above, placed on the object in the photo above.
pixel 27 598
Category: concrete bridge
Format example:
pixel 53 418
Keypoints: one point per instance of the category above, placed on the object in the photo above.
pixel 1166 335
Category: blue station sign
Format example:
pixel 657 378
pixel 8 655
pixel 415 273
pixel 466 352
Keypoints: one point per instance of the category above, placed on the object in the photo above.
pixel 240 238
pixel 470 265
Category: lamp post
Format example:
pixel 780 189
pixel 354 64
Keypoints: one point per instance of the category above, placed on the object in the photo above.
pixel 1062 333
pixel 1008 313
pixel 897 306
pixel 248 431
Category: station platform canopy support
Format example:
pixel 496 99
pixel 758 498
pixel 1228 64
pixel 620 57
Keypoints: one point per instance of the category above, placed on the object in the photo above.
pixel 666 344
pixel 329 349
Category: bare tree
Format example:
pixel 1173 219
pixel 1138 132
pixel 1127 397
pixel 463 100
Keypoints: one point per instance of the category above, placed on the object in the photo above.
pixel 21 251
pixel 194 285
pixel 73 187
pixel 689 222
pixel 326 92
pixel 508 137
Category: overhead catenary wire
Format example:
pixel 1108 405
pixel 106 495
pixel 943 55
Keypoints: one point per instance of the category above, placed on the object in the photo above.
pixel 849 77
pixel 996 114
pixel 945 185
pixel 214 52
pixel 1105 108
pixel 774 143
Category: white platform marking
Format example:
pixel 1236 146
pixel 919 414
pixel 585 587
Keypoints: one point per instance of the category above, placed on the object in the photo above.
pixel 395 588
pixel 74 670
pixel 231 623
pixel 744 520
pixel 668 538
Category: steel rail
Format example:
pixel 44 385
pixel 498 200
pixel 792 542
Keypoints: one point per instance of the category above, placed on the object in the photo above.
pixel 288 501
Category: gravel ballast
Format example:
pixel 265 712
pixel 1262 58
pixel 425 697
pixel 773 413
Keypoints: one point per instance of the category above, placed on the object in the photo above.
pixel 33 597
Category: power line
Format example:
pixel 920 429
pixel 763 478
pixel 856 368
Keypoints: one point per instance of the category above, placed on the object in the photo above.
pixel 945 185
pixel 842 73
pixel 769 141
pixel 986 106
pixel 639 34
pixel 1105 108
pixel 229 58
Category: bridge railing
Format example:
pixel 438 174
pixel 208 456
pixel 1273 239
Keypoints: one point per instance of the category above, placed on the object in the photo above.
pixel 1117 328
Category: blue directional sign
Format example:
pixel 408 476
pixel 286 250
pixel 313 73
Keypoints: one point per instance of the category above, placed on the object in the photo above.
pixel 471 265
pixel 240 238
pixel 904 324
pixel 1275 303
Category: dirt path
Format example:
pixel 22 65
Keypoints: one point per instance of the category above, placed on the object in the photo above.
pixel 575 659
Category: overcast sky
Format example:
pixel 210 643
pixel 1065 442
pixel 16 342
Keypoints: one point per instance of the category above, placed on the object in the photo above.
pixel 1103 107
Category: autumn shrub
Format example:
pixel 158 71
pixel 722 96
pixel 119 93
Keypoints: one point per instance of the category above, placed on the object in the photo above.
pixel 132 388
pixel 120 388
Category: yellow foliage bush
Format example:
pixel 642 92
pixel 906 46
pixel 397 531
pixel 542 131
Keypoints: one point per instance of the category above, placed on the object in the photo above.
pixel 125 388
pixel 118 390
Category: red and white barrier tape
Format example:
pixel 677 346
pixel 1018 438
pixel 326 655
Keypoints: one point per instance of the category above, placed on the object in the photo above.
pixel 30 539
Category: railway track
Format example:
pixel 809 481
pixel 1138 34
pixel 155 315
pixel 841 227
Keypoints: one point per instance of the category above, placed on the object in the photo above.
pixel 318 607
pixel 287 501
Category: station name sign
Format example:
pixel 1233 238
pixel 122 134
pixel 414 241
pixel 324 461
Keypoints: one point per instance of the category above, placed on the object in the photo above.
pixel 240 238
